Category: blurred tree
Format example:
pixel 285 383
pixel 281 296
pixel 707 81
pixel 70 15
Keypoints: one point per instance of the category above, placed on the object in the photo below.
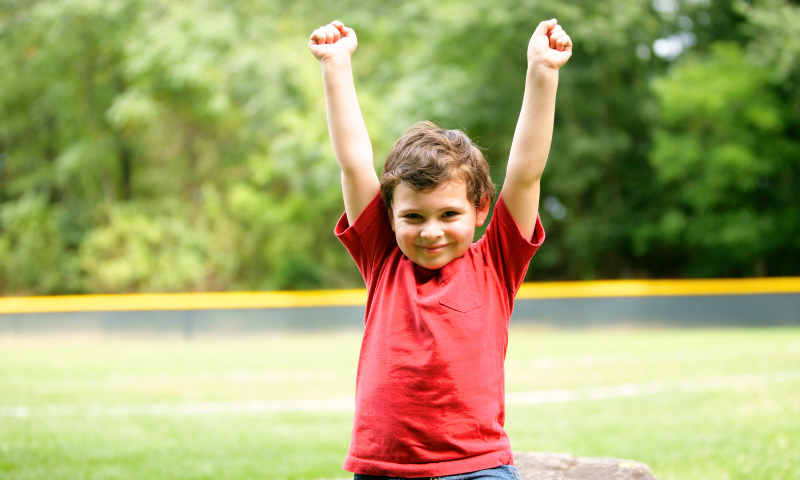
pixel 60 158
pixel 151 146
pixel 468 70
pixel 727 170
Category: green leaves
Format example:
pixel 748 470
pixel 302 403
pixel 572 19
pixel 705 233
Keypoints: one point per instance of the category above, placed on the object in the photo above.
pixel 145 251
pixel 151 146
pixel 714 155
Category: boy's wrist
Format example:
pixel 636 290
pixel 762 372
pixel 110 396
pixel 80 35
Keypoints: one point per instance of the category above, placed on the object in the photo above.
pixel 336 61
pixel 539 72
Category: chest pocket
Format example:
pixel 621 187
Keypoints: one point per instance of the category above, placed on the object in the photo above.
pixel 458 288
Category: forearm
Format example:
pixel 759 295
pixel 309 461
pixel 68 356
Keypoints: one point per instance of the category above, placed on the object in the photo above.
pixel 346 127
pixel 333 45
pixel 534 132
pixel 548 50
pixel 349 137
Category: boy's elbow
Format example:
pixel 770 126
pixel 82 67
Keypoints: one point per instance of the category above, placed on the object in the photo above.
pixel 531 184
pixel 525 179
pixel 359 175
pixel 357 168
pixel 534 177
pixel 354 158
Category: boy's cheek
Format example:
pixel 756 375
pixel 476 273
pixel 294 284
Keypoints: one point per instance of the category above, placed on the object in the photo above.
pixel 405 240
pixel 403 236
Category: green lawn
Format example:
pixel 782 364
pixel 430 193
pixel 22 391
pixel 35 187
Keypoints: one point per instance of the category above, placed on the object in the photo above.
pixel 699 404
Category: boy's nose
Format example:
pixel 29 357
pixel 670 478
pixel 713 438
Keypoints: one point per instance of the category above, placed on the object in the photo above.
pixel 431 231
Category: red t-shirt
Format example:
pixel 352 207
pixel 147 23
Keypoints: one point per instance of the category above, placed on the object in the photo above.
pixel 430 393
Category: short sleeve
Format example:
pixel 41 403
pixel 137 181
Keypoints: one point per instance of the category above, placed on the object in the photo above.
pixel 370 239
pixel 506 250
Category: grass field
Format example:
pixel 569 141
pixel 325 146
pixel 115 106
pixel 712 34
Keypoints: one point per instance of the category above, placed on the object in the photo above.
pixel 693 404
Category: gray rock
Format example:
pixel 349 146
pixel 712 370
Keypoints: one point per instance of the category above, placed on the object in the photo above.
pixel 563 466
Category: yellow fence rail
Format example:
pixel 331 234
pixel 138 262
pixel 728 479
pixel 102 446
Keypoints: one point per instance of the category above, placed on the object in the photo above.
pixel 660 288
pixel 329 298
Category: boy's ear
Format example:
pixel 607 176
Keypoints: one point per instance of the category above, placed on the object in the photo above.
pixel 482 211
pixel 391 218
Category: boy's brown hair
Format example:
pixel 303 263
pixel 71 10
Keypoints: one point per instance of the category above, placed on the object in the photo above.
pixel 427 156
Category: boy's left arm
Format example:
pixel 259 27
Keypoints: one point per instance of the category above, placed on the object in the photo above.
pixel 549 48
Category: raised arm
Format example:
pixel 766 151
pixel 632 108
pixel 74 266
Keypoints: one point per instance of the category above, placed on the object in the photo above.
pixel 333 45
pixel 549 48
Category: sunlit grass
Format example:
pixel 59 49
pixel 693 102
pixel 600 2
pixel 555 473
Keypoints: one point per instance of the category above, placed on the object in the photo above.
pixel 744 432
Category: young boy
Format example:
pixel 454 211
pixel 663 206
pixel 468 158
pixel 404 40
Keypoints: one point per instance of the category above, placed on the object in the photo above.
pixel 430 386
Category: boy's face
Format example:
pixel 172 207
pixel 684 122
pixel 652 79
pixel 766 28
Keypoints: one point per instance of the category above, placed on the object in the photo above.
pixel 436 226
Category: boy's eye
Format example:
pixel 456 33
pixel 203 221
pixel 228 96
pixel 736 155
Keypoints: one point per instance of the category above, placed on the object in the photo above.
pixel 412 216
pixel 450 214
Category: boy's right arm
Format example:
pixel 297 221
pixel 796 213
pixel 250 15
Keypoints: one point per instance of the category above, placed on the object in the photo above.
pixel 333 45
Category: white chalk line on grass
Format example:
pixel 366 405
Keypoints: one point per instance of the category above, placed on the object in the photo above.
pixel 176 409
pixel 347 404
pixel 233 376
pixel 627 358
pixel 652 388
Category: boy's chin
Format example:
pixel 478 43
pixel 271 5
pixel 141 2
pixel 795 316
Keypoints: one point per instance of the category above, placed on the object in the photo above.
pixel 431 263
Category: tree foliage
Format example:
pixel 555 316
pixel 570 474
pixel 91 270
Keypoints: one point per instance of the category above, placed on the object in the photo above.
pixel 182 146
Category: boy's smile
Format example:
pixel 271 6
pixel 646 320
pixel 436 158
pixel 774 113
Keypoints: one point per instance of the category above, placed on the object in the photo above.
pixel 434 227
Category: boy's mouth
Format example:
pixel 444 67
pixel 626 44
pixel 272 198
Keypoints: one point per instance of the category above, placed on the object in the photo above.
pixel 433 249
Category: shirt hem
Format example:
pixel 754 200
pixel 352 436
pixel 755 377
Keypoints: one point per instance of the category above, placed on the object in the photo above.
pixel 434 469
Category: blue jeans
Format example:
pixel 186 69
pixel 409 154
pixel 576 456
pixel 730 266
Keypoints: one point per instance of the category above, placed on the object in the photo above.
pixel 505 472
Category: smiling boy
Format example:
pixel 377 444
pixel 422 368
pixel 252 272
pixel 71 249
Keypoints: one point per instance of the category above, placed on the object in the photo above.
pixel 430 387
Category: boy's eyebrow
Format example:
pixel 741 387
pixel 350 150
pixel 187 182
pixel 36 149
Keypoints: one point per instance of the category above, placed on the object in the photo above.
pixel 404 211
